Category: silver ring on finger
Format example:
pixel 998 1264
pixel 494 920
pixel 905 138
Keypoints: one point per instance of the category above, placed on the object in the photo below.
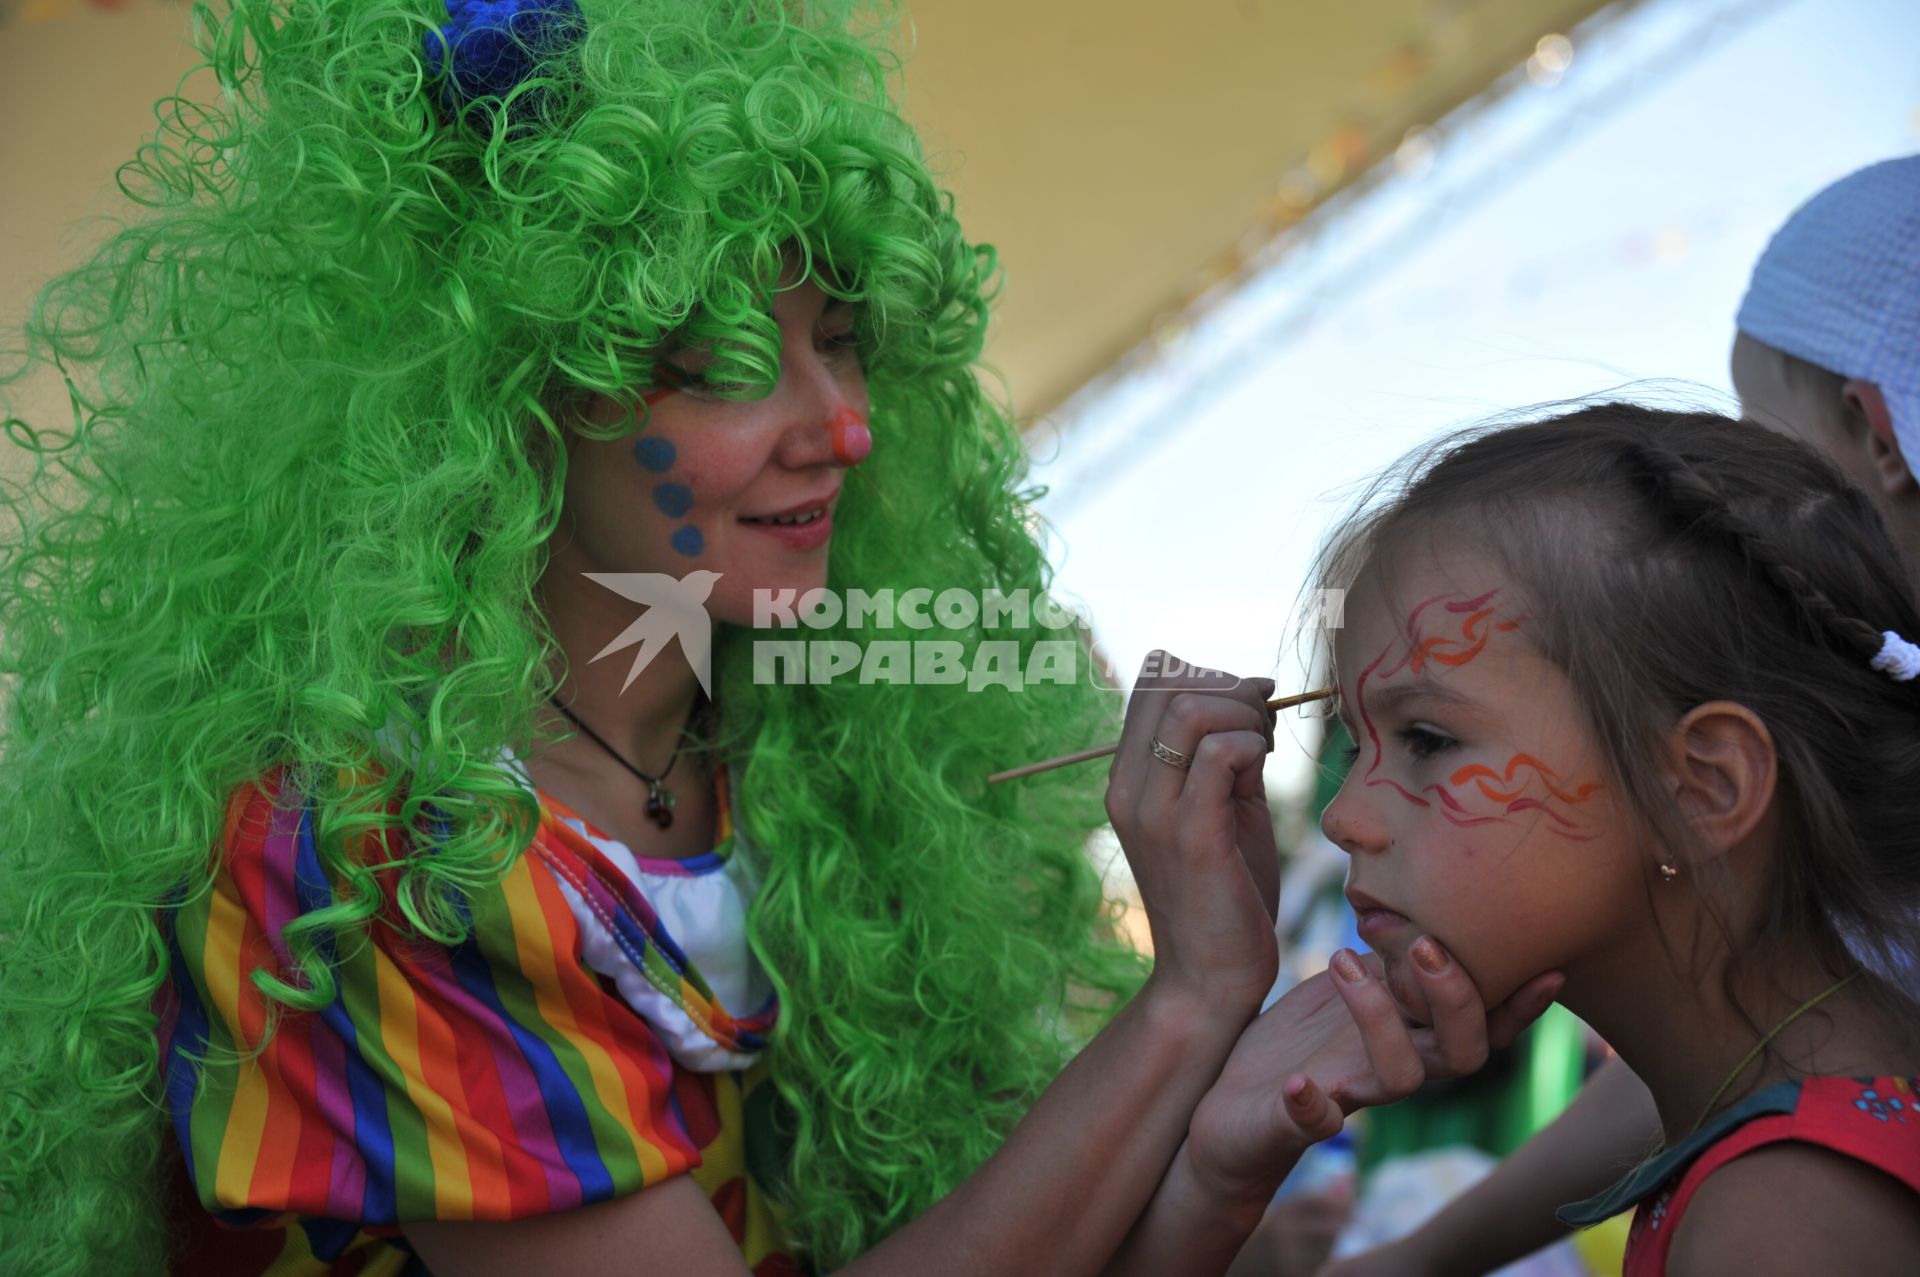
pixel 1168 754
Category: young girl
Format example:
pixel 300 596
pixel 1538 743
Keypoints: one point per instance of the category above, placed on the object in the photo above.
pixel 1632 702
pixel 1816 356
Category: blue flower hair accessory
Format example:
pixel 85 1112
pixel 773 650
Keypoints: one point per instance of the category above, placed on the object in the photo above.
pixel 493 45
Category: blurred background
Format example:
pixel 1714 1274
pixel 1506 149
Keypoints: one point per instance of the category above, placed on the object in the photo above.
pixel 1254 250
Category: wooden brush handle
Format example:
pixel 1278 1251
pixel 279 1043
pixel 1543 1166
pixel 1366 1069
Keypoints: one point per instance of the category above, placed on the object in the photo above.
pixel 1102 751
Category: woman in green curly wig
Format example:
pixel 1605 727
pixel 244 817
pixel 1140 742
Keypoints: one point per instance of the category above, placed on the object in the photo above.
pixel 366 902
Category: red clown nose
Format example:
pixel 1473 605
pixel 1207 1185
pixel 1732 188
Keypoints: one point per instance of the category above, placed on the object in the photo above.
pixel 852 441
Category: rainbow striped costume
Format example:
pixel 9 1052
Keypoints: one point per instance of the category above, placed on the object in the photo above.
pixel 570 1051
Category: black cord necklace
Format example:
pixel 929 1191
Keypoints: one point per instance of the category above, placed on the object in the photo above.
pixel 659 797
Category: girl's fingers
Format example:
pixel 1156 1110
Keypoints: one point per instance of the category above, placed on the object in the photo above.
pixel 1389 1046
pixel 1528 1004
pixel 1459 1033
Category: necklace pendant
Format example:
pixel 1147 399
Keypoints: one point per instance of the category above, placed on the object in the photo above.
pixel 660 805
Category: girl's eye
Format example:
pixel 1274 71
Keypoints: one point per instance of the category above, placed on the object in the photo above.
pixel 1422 743
pixel 1349 755
pixel 840 341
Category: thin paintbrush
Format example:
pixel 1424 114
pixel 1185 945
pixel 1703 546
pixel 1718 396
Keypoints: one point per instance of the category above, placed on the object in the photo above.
pixel 1101 751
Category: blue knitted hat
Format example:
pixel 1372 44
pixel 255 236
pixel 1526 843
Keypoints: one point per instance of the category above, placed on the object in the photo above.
pixel 1839 286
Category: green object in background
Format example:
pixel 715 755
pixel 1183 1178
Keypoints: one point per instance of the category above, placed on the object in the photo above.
pixel 1330 771
pixel 1556 1067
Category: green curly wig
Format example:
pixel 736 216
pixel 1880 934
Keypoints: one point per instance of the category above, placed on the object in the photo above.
pixel 306 491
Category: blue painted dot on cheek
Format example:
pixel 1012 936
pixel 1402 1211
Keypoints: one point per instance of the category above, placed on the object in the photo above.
pixel 673 499
pixel 688 541
pixel 654 453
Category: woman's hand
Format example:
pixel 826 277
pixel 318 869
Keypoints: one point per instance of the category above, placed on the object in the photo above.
pixel 1199 837
pixel 1336 1043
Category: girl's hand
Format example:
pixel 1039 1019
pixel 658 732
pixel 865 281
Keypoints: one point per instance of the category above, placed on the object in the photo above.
pixel 1199 838
pixel 1336 1043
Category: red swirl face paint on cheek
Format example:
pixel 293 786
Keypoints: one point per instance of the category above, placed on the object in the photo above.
pixel 1450 808
pixel 1500 787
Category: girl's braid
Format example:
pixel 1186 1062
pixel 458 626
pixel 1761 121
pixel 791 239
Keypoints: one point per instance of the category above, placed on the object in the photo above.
pixel 1700 505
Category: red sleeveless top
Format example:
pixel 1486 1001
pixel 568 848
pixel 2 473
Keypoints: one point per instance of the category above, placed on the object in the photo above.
pixel 1873 1120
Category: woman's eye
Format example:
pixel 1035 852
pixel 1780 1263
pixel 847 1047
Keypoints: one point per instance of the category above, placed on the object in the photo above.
pixel 697 382
pixel 672 376
pixel 836 342
pixel 1422 743
pixel 1349 755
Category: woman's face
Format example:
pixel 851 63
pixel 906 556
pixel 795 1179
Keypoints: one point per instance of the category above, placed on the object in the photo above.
pixel 744 489
pixel 1476 810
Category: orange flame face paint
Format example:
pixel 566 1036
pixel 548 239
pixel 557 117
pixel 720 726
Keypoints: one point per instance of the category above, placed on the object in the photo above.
pixel 1508 788
pixel 1513 796
pixel 1482 774
pixel 1474 633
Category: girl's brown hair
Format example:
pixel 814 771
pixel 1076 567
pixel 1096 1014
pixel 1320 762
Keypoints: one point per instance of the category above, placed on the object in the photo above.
pixel 1669 559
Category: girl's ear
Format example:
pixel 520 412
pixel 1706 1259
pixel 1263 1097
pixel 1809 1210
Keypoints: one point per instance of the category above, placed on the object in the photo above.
pixel 1724 772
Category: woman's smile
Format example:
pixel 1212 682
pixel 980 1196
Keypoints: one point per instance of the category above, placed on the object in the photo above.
pixel 805 526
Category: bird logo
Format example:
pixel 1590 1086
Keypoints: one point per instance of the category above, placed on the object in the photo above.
pixel 676 608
